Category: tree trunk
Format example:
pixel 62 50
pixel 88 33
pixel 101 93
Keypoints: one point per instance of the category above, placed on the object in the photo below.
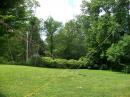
pixel 51 46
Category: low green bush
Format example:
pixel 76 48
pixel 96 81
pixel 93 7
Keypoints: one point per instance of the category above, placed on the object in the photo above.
pixel 3 60
pixel 62 63
pixel 55 63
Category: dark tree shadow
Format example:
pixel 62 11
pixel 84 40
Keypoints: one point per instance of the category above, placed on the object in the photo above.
pixel 1 95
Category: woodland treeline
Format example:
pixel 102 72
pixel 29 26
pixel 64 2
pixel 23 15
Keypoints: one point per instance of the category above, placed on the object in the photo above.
pixel 99 37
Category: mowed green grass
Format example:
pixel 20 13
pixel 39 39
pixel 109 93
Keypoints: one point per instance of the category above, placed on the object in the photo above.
pixel 22 81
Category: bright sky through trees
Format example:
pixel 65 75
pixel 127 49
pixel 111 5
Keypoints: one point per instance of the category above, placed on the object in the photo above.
pixel 60 10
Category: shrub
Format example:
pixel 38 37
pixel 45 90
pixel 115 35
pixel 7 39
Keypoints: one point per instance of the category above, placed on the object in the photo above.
pixel 61 63
pixel 74 64
pixel 55 63
pixel 3 60
pixel 86 62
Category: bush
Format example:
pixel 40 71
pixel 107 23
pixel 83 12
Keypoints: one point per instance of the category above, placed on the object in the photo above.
pixel 86 62
pixel 61 63
pixel 74 64
pixel 3 60
pixel 55 63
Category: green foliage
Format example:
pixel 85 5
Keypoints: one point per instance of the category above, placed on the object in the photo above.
pixel 16 19
pixel 114 53
pixel 62 63
pixel 35 61
pixel 50 28
pixel 49 62
pixel 109 22
pixel 3 60
pixel 69 41
pixel 120 52
pixel 54 63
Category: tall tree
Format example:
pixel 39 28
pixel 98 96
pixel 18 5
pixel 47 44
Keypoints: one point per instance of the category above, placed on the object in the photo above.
pixel 108 25
pixel 70 40
pixel 16 18
pixel 50 27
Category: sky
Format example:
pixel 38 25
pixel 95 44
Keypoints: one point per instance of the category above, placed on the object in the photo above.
pixel 60 10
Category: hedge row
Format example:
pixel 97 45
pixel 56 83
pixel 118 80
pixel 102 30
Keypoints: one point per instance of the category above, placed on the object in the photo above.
pixel 55 63
pixel 73 64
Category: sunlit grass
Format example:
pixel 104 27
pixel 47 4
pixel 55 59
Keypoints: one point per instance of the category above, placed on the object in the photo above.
pixel 22 81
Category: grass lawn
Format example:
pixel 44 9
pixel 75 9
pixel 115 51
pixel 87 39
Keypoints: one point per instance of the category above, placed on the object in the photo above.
pixel 22 81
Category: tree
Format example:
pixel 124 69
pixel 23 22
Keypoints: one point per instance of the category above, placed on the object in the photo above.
pixel 17 17
pixel 7 21
pixel 50 27
pixel 121 12
pixel 70 41
pixel 17 43
pixel 108 26
pixel 119 53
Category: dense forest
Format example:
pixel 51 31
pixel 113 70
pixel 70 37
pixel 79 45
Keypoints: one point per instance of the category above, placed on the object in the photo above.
pixel 99 38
